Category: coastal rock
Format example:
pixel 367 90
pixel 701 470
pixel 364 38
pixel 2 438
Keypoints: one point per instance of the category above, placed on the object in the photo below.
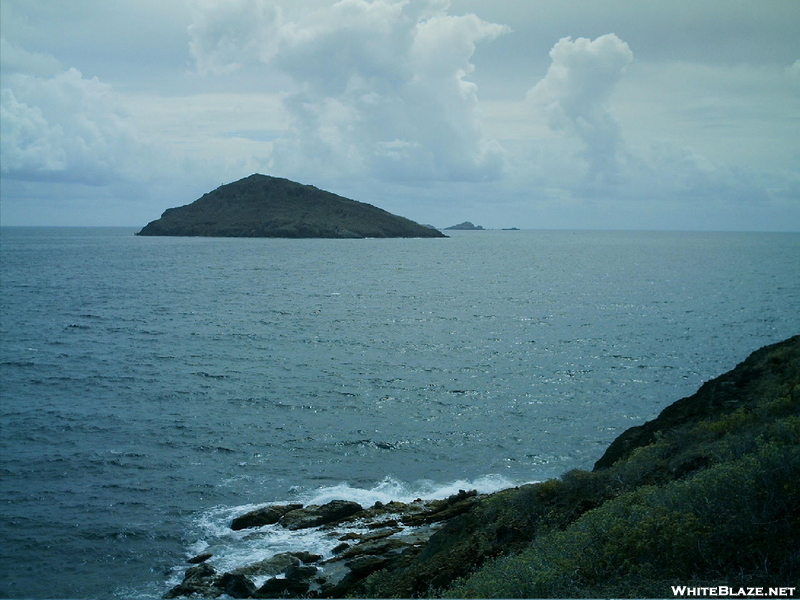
pixel 263 206
pixel 380 547
pixel 306 557
pixel 274 565
pixel 358 570
pixel 196 560
pixel 197 581
pixel 263 516
pixel 442 510
pixel 301 573
pixel 314 516
pixel 236 586
pixel 366 565
pixel 282 588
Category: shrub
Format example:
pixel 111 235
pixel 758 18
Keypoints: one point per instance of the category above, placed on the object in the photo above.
pixel 730 523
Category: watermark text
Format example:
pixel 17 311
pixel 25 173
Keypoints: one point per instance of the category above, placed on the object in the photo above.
pixel 734 592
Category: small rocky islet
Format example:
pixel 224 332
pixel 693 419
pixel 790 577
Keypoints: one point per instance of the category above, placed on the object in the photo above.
pixel 265 206
pixel 706 493
pixel 465 226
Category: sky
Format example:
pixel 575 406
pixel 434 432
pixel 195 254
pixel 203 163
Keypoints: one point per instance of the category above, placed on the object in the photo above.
pixel 575 114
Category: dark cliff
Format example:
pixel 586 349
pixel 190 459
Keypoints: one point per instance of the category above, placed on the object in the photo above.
pixel 264 206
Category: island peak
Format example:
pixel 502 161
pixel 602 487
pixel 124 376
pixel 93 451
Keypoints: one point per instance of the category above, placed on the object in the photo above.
pixel 266 206
pixel 465 226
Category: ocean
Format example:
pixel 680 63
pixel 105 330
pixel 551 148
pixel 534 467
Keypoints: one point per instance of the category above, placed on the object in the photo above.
pixel 153 388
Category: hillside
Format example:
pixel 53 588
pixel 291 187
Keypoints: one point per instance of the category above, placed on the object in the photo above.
pixel 706 494
pixel 264 206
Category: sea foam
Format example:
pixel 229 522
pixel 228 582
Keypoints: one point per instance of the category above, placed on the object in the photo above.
pixel 234 549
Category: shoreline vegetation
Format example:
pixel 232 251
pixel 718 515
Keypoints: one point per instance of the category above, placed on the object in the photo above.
pixel 705 495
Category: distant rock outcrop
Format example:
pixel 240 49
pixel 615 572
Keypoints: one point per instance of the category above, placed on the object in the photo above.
pixel 465 226
pixel 264 206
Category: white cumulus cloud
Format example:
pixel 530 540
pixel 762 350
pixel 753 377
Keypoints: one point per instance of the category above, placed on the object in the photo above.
pixel 379 86
pixel 61 126
pixel 574 97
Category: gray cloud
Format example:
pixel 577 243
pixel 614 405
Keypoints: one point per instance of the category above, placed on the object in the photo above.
pixel 380 87
pixel 68 128
pixel 16 59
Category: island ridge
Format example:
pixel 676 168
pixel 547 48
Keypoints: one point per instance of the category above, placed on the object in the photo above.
pixel 264 206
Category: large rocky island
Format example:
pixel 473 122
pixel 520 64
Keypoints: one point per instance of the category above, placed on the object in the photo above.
pixel 264 206
pixel 704 497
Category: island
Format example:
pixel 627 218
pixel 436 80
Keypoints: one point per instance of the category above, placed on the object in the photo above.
pixel 465 226
pixel 265 206
pixel 704 496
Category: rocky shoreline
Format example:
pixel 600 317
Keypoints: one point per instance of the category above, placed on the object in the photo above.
pixel 371 539
pixel 706 492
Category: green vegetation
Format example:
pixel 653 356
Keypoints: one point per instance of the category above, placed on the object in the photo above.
pixel 734 523
pixel 707 494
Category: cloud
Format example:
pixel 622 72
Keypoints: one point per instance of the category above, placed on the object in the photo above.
pixel 64 127
pixel 379 87
pixel 15 59
pixel 227 35
pixel 574 97
pixel 793 72
pixel 661 171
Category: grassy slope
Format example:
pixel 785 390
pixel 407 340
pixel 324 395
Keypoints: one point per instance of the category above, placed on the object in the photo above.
pixel 708 493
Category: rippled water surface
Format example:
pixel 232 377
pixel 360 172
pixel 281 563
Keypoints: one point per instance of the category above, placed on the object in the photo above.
pixel 150 385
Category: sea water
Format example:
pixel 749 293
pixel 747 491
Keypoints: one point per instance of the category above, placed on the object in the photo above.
pixel 153 388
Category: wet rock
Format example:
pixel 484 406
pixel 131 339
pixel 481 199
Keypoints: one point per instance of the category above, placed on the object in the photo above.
pixel 366 565
pixel 358 569
pixel 381 547
pixel 271 566
pixel 314 516
pixel 461 495
pixel 282 588
pixel 340 548
pixel 372 540
pixel 442 510
pixel 268 515
pixel 301 573
pixel 382 524
pixel 381 534
pixel 199 572
pixel 306 557
pixel 196 560
pixel 198 581
pixel 236 586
